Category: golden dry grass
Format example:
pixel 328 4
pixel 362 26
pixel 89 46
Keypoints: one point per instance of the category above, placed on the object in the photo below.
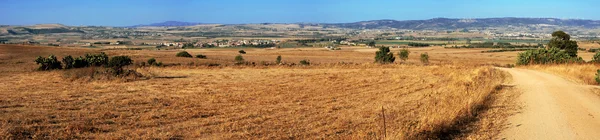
pixel 330 101
pixel 580 73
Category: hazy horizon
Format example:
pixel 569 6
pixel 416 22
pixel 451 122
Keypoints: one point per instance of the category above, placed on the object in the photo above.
pixel 136 12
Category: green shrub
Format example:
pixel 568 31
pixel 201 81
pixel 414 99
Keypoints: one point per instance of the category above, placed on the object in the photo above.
pixel 278 60
pixel 100 59
pixel 242 52
pixel 239 59
pixel 403 54
pixel 201 56
pixel 596 58
pixel 425 58
pixel 597 78
pixel 117 63
pixel 71 62
pixel 68 61
pixel 151 61
pixel 384 56
pixel 304 62
pixel 48 63
pixel 80 62
pixel 546 56
pixel 183 54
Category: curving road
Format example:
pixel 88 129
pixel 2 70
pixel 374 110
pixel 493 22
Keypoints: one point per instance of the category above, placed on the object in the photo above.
pixel 553 108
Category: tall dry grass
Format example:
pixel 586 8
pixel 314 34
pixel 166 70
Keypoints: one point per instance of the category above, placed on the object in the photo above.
pixel 580 73
pixel 420 102
pixel 328 100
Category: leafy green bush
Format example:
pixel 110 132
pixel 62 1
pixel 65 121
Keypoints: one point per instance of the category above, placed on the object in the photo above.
pixel 117 63
pixel 403 54
pixel 201 56
pixel 80 62
pixel 183 54
pixel 546 56
pixel 596 58
pixel 71 62
pixel 278 60
pixel 304 62
pixel 239 59
pixel 425 58
pixel 242 52
pixel 151 61
pixel 597 78
pixel 100 59
pixel 68 61
pixel 384 56
pixel 48 63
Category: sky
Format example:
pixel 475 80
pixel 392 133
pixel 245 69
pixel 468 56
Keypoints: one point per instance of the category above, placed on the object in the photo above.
pixel 135 12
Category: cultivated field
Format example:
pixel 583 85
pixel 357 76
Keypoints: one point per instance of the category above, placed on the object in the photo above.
pixel 328 99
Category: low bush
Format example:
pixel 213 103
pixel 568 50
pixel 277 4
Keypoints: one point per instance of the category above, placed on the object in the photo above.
pixel 100 59
pixel 597 78
pixel 403 54
pixel 596 58
pixel 117 63
pixel 80 62
pixel 304 62
pixel 151 61
pixel 425 58
pixel 68 61
pixel 546 56
pixel 278 60
pixel 201 56
pixel 239 59
pixel 183 54
pixel 384 56
pixel 48 63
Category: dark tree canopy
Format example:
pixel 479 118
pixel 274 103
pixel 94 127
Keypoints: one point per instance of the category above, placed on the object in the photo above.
pixel 562 40
pixel 371 43
pixel 561 35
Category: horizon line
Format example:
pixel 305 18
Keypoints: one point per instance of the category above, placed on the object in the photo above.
pixel 198 23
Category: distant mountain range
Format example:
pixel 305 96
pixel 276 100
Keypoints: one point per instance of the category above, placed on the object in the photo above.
pixel 433 24
pixel 447 23
pixel 168 24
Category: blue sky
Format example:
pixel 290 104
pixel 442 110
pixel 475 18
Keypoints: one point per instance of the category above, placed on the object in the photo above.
pixel 133 12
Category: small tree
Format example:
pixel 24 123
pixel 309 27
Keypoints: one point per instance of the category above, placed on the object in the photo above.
pixel 151 61
pixel 117 63
pixel 425 58
pixel 403 54
pixel 239 59
pixel 242 52
pixel 562 40
pixel 48 63
pixel 183 54
pixel 201 56
pixel 278 60
pixel 384 56
pixel 304 62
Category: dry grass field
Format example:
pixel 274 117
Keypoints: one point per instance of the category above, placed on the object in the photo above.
pixel 326 100
pixel 580 73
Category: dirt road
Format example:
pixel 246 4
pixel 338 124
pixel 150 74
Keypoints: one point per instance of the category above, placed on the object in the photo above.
pixel 553 108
